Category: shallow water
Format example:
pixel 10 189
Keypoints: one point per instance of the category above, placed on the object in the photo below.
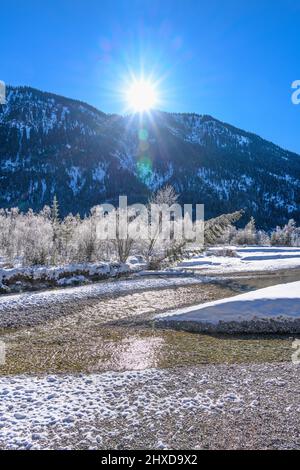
pixel 118 333
pixel 246 282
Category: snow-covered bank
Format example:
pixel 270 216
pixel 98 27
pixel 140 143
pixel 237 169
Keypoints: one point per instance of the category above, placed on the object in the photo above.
pixel 273 309
pixel 244 259
pixel 110 410
pixel 216 261
pixel 21 279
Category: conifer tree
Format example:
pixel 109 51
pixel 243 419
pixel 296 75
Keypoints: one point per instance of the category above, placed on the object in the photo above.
pixel 216 227
pixel 56 228
pixel 55 210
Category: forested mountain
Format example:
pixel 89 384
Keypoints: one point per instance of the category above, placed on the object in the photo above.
pixel 51 145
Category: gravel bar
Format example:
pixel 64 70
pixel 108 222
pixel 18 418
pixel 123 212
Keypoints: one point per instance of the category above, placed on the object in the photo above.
pixel 206 407
pixel 27 309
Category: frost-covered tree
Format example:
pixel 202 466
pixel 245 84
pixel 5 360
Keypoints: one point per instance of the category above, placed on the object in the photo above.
pixel 263 239
pixel 25 238
pixel 37 239
pixel 247 235
pixel 289 235
pixel 44 239
pixel 227 237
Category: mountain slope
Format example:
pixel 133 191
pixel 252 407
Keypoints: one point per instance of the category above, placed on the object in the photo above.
pixel 55 145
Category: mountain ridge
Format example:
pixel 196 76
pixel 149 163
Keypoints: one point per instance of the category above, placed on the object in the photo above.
pixel 51 144
pixel 192 113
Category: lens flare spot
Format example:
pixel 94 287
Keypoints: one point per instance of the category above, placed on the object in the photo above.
pixel 144 168
pixel 143 134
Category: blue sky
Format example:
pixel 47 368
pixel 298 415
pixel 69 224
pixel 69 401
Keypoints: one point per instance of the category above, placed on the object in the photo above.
pixel 233 59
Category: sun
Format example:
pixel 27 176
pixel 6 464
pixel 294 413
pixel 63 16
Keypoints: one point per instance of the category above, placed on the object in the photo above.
pixel 141 95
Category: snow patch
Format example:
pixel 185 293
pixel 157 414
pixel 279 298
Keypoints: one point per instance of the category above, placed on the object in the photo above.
pixel 270 309
pixel 77 181
pixel 247 259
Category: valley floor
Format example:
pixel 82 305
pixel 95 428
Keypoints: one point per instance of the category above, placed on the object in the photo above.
pixel 88 368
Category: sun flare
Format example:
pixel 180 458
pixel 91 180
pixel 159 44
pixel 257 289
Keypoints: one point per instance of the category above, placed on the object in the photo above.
pixel 141 95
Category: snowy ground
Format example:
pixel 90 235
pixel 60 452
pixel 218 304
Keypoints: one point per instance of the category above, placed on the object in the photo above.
pixel 273 309
pixel 253 406
pixel 247 259
pixel 19 302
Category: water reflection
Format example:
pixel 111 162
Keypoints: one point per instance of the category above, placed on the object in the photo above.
pixel 136 353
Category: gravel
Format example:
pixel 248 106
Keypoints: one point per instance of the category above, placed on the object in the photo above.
pixel 29 309
pixel 206 407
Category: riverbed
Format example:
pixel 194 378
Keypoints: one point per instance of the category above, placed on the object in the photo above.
pixel 117 332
